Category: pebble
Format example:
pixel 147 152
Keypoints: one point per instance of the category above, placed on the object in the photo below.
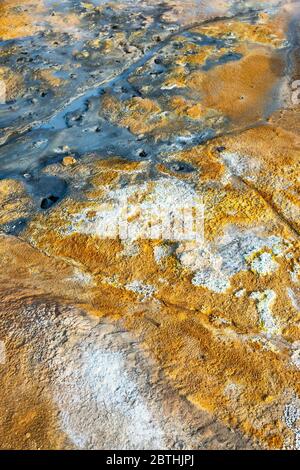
pixel 69 160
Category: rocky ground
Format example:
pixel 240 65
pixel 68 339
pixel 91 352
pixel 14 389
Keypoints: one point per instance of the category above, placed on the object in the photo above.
pixel 121 343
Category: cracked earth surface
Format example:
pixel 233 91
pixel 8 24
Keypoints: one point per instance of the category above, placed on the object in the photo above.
pixel 149 343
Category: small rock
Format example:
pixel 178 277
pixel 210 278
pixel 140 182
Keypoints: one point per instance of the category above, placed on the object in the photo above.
pixel 143 154
pixel 69 160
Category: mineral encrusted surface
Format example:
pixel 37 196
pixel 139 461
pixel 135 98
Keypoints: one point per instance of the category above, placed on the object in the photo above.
pixel 149 342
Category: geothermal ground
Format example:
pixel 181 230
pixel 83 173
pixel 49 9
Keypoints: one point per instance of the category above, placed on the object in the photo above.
pixel 149 342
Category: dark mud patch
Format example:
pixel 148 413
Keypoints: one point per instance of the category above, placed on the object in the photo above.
pixel 47 190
